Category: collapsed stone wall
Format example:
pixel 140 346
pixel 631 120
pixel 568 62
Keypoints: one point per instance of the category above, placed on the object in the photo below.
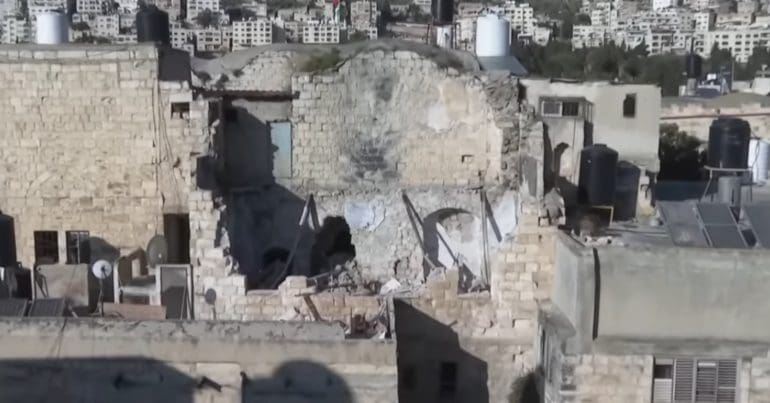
pixel 83 132
pixel 357 128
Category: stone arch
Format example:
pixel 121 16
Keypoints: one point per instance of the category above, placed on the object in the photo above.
pixel 452 238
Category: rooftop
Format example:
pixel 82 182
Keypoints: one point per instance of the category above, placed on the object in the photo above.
pixel 731 100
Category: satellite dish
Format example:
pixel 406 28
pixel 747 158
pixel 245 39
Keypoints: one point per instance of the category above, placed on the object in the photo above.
pixel 210 296
pixel 157 251
pixel 101 269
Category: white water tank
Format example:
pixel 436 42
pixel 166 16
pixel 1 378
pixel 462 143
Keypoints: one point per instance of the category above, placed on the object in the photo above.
pixel 52 28
pixel 759 158
pixel 493 36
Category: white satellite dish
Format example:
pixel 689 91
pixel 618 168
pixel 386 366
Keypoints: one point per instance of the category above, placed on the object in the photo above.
pixel 101 269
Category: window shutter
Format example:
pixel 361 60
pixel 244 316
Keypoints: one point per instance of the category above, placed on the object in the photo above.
pixel 683 380
pixel 661 390
pixel 706 381
pixel 727 380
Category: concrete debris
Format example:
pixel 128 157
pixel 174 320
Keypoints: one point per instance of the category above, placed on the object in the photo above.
pixel 390 287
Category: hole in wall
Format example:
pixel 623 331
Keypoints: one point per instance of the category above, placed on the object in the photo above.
pixel 332 246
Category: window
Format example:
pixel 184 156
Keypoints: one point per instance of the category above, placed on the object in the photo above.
pixel 570 108
pixel 551 108
pixel 180 109
pixel 688 380
pixel 46 247
pixel 78 247
pixel 447 380
pixel 629 106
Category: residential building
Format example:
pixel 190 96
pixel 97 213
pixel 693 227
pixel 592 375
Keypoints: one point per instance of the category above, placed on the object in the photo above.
pixel 372 33
pixel 107 26
pixel 124 39
pixel 741 42
pixel 466 33
pixel 207 39
pixel 9 7
pixel 252 33
pixel 588 36
pixel 15 30
pixel 662 4
pixel 194 7
pixel 747 6
pixel 363 13
pixel 37 7
pixel 88 6
pixel 258 8
pixel 128 6
pixel 733 20
pixel 521 16
pixel 704 20
pixel 127 21
pixel 542 35
pixel 180 36
pixel 469 10
pixel 320 33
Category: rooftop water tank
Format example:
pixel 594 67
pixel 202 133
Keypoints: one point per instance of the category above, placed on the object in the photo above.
pixel 598 175
pixel 759 157
pixel 152 25
pixel 7 241
pixel 442 11
pixel 52 28
pixel 729 143
pixel 493 36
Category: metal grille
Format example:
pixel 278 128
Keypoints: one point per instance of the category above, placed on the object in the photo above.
pixel 701 381
pixel 727 380
pixel 706 382
pixel 51 307
pixel 13 307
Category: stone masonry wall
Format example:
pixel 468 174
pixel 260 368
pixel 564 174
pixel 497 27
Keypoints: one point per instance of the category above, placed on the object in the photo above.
pixel 82 131
pixel 189 362
pixel 393 118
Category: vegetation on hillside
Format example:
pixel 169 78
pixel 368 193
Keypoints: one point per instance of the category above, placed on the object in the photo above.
pixel 617 62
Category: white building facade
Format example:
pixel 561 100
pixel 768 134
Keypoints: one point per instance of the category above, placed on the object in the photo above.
pixel 251 33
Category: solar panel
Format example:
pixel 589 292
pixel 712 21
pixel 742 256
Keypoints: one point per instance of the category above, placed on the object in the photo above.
pixel 721 228
pixel 678 212
pixel 50 307
pixel 13 307
pixel 683 224
pixel 758 216
pixel 716 213
pixel 725 236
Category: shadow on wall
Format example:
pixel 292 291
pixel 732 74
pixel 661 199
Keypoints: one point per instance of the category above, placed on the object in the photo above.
pixel 525 389
pixel 138 379
pixel 432 366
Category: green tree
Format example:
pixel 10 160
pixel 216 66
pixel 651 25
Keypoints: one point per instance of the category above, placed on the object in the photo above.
pixel 206 18
pixel 680 154
pixel 414 14
pixel 582 19
pixel 719 59
pixel 759 58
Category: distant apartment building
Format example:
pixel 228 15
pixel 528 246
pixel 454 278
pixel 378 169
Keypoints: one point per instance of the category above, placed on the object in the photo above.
pixel 207 39
pixel 363 13
pixel 15 30
pixel 604 14
pixel 667 19
pixel 258 8
pixel 424 5
pixel 88 6
pixel 9 8
pixel 128 6
pixel 704 20
pixel 107 26
pixel 588 36
pixel 123 39
pixel 321 33
pixel 661 4
pixel 87 18
pixel 741 42
pixel 542 35
pixel 195 7
pixel 37 7
pixel 521 16
pixel 251 33
pixel 747 7
pixel 469 10
pixel 727 21
pixel 180 36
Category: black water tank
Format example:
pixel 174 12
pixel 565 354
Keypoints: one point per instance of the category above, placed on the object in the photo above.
pixel 598 175
pixel 152 25
pixel 442 11
pixel 729 143
pixel 693 65
pixel 7 241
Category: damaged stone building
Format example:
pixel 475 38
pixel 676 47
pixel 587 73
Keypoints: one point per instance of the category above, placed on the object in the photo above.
pixel 384 211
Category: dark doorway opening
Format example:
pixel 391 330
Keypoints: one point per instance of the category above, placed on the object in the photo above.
pixel 176 229
pixel 333 246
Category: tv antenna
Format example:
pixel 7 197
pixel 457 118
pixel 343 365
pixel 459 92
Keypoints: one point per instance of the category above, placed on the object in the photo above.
pixel 101 270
